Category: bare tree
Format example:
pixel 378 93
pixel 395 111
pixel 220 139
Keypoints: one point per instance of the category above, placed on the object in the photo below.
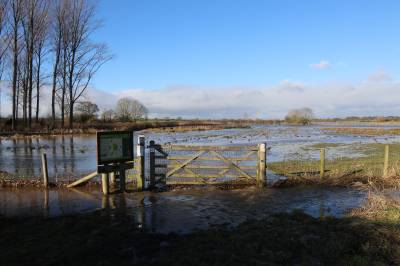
pixel 58 25
pixel 41 36
pixel 16 17
pixel 84 58
pixel 4 40
pixel 130 109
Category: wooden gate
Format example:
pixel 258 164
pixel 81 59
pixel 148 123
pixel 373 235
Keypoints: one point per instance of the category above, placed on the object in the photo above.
pixel 205 165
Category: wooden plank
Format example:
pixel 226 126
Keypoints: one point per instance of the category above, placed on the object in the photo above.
pixel 195 166
pixel 210 148
pixel 223 172
pixel 194 157
pixel 83 179
pixel 171 182
pixel 235 166
pixel 216 175
pixel 250 153
pixel 204 158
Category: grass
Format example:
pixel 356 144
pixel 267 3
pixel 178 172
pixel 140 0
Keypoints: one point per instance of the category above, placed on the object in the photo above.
pixel 366 171
pixel 363 131
pixel 368 236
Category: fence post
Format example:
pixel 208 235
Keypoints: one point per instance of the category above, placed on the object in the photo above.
pixel 261 164
pixel 386 161
pixel 322 163
pixel 122 173
pixel 45 172
pixel 140 170
pixel 152 164
pixel 105 184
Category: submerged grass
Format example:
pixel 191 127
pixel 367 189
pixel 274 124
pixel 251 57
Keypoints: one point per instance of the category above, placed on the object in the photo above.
pixel 364 171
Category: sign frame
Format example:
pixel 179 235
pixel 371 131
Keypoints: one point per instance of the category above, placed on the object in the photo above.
pixel 99 134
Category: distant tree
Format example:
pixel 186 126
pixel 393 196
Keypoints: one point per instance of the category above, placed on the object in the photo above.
pixel 300 116
pixel 107 115
pixel 129 109
pixel 86 110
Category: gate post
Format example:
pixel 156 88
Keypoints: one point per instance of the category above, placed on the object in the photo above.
pixel 152 164
pixel 140 162
pixel 261 158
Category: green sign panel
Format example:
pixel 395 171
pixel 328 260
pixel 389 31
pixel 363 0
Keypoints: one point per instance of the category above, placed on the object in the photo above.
pixel 114 147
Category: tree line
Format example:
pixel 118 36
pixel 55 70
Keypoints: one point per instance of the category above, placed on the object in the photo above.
pixel 48 43
pixel 127 109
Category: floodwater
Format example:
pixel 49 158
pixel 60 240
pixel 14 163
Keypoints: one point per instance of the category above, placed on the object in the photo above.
pixel 185 210
pixel 74 156
pixel 182 211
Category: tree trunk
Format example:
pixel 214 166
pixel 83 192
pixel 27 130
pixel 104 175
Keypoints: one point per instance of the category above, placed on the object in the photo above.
pixel 71 115
pixel 14 81
pixel 38 86
pixel 53 91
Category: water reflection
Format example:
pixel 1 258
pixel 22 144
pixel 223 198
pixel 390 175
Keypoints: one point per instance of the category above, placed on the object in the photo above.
pixel 182 211
pixel 76 155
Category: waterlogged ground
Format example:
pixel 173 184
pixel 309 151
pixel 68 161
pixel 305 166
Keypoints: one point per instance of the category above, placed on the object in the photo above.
pixel 187 210
pixel 73 156
pixel 182 211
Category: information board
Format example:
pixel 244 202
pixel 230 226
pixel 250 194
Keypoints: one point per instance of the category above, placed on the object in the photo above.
pixel 114 147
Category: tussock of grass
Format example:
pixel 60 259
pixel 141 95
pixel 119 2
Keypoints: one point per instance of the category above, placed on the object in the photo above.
pixel 380 207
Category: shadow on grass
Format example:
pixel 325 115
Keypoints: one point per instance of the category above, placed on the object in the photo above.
pixel 112 238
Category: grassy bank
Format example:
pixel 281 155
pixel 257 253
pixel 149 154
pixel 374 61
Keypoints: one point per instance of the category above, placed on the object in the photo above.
pixel 363 171
pixel 369 236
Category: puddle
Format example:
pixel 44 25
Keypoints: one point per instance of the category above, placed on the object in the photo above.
pixel 183 211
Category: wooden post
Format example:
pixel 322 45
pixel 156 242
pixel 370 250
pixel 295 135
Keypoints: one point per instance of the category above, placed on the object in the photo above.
pixel 152 164
pixel 261 164
pixel 45 172
pixel 140 162
pixel 322 163
pixel 122 178
pixel 386 161
pixel 112 178
pixel 105 184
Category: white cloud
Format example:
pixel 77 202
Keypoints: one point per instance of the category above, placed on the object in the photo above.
pixel 380 76
pixel 323 64
pixel 327 100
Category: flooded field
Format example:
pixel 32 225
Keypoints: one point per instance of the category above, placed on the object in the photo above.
pixel 185 210
pixel 73 156
pixel 182 211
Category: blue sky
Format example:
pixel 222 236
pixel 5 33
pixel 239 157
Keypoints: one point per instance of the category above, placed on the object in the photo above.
pixel 159 44
pixel 257 59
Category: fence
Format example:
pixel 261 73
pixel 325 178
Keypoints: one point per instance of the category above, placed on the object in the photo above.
pixel 246 164
pixel 378 160
pixel 205 165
